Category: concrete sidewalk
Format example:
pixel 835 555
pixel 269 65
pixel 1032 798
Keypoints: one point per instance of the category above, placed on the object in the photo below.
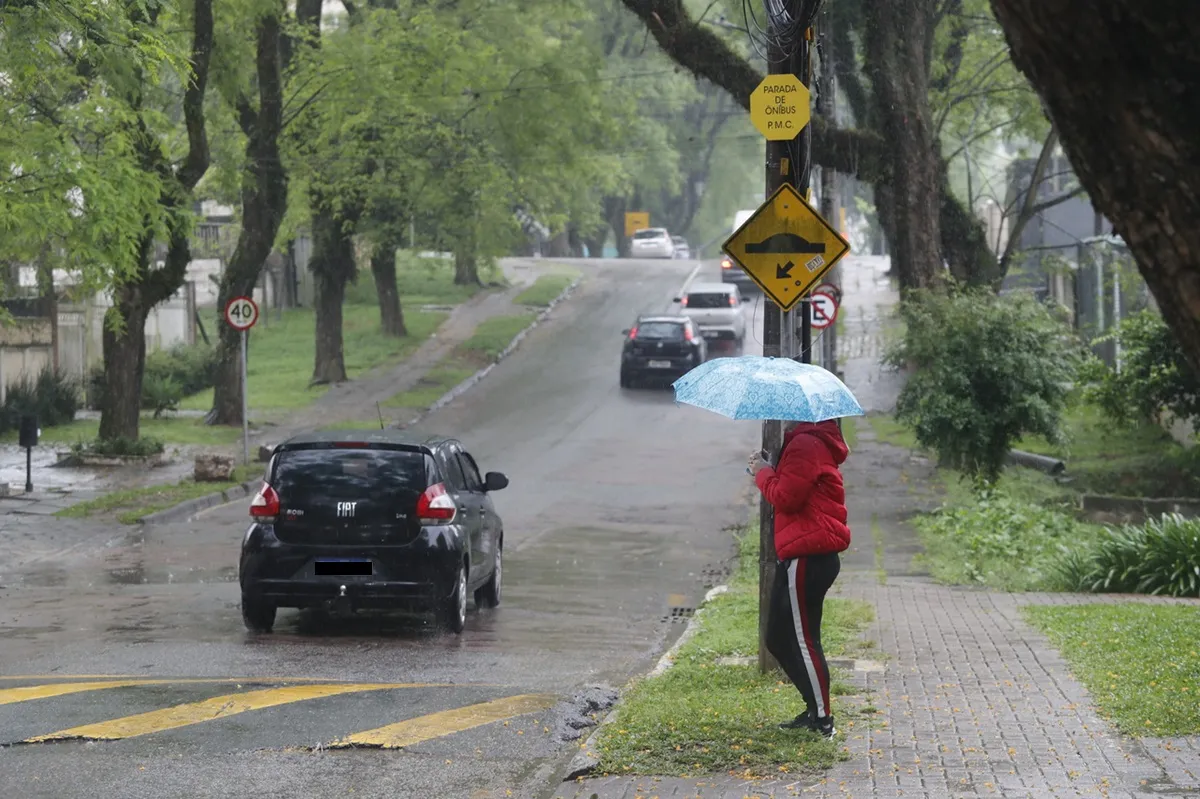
pixel 974 702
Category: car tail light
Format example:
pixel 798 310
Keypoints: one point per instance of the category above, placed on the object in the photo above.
pixel 683 302
pixel 265 505
pixel 726 263
pixel 732 301
pixel 687 334
pixel 633 334
pixel 435 505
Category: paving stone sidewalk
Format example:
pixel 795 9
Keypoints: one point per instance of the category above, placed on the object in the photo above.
pixel 974 701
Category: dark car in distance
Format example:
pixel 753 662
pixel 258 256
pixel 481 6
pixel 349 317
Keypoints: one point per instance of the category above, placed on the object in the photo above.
pixel 660 347
pixel 375 519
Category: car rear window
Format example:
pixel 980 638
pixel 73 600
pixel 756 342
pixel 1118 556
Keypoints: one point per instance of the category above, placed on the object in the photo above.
pixel 708 301
pixel 649 233
pixel 662 331
pixel 314 476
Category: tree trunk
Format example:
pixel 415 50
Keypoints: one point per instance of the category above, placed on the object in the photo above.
pixel 595 243
pixel 466 268
pixel 575 241
pixel 124 364
pixel 332 265
pixel 964 242
pixel 264 202
pixel 614 214
pixel 1128 124
pixel 383 269
pixel 897 34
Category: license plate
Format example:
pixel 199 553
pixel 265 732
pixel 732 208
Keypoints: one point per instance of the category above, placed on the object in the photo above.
pixel 343 566
pixel 709 333
pixel 660 364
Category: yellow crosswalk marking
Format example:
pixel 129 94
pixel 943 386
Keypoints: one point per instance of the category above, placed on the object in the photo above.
pixel 435 725
pixel 215 708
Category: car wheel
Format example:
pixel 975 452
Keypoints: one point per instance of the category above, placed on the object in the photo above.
pixel 454 612
pixel 625 381
pixel 489 595
pixel 257 614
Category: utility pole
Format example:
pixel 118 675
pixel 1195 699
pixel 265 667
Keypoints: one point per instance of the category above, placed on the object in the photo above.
pixel 827 108
pixel 788 44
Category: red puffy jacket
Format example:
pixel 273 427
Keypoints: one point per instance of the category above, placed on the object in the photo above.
pixel 807 493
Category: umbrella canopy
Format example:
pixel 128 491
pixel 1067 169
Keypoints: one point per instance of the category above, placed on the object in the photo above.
pixel 752 387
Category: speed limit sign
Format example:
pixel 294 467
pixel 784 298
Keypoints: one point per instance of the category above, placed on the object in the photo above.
pixel 241 313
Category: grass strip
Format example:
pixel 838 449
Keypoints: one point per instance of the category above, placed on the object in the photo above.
pixel 1140 663
pixel 702 716
pixel 544 290
pixel 131 505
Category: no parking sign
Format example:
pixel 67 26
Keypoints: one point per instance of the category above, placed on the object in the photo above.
pixel 822 308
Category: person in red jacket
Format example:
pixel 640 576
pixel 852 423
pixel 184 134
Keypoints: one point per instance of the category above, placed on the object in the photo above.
pixel 806 490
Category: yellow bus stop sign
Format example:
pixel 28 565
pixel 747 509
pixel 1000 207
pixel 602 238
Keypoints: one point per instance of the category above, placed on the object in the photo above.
pixel 635 221
pixel 786 247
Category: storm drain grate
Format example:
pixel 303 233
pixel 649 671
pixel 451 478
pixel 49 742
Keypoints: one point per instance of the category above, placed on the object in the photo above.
pixel 679 615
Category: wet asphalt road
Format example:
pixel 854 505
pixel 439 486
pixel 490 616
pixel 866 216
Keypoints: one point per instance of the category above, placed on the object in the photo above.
pixel 617 512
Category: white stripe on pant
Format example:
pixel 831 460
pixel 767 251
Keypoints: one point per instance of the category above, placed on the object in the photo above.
pixel 805 652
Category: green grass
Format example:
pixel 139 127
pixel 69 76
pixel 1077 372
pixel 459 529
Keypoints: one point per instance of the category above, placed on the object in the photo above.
pixel 1140 663
pixel 281 354
pixel 545 289
pixel 420 281
pixel 889 431
pixel 177 430
pixel 131 505
pixel 493 335
pixel 434 385
pixel 850 432
pixel 701 717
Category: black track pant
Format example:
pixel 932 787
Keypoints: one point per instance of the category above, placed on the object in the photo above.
pixel 794 625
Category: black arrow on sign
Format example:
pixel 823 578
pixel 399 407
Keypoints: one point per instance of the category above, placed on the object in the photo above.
pixel 784 272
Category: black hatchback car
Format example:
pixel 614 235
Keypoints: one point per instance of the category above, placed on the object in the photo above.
pixel 660 347
pixel 377 519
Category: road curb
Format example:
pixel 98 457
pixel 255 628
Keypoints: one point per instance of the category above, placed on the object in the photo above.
pixel 185 510
pixel 586 760
pixel 470 382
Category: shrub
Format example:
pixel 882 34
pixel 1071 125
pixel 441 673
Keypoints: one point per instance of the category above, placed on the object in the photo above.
pixel 988 370
pixel 189 369
pixel 160 394
pixel 1161 556
pixel 999 540
pixel 1154 375
pixel 119 447
pixel 53 396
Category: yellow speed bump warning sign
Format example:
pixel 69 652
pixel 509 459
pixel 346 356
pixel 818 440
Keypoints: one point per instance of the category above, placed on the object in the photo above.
pixel 786 247
pixel 635 221
pixel 780 107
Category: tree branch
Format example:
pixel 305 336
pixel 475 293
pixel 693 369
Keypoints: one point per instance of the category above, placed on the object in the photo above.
pixel 196 162
pixel 1027 208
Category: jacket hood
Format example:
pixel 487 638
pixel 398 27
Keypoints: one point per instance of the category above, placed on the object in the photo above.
pixel 828 432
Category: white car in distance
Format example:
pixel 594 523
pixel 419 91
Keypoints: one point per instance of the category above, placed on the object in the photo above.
pixel 652 242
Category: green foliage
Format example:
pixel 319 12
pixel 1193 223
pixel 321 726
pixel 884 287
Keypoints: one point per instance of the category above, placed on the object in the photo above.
pixel 1140 663
pixel 53 396
pixel 1154 375
pixel 988 370
pixel 999 540
pixel 119 447
pixel 170 375
pixel 1160 557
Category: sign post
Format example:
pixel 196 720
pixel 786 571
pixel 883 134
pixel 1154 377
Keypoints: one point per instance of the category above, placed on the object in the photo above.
pixel 241 313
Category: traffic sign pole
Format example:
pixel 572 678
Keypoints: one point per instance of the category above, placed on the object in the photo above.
pixel 241 313
pixel 245 413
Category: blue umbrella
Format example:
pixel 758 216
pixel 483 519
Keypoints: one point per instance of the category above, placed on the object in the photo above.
pixel 751 387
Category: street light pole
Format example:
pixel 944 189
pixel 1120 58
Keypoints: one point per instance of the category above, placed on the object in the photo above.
pixel 787 162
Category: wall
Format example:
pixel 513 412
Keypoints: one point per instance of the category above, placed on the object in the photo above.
pixel 25 349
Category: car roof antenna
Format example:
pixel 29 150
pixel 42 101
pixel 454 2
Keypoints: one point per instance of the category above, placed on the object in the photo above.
pixel 379 411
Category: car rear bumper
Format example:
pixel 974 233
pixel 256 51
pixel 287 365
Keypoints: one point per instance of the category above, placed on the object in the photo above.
pixel 651 252
pixel 414 576
pixel 663 365
pixel 719 333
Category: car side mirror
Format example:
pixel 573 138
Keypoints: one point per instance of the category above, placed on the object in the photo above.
pixel 745 299
pixel 494 481
pixel 625 332
pixel 677 299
